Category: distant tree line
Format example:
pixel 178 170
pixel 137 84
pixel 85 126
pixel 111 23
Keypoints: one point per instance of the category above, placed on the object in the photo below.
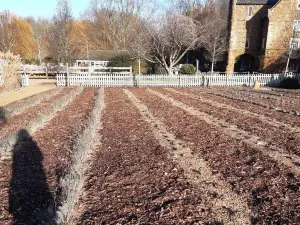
pixel 159 35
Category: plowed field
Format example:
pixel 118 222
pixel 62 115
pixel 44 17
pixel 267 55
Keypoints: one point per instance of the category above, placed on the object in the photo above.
pixel 206 156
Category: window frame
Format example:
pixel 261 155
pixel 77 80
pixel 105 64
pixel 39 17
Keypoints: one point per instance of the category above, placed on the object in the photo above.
pixel 298 5
pixel 264 43
pixel 247 44
pixel 250 11
pixel 298 42
pixel 296 23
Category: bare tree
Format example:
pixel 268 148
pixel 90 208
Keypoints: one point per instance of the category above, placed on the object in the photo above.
pixel 215 40
pixel 115 21
pixel 7 31
pixel 62 45
pixel 173 37
pixel 40 28
pixel 293 51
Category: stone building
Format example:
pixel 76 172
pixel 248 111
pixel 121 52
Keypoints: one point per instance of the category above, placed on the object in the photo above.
pixel 261 35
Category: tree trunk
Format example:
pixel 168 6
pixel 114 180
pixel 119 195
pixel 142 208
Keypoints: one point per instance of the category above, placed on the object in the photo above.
pixel 139 66
pixel 288 62
pixel 213 59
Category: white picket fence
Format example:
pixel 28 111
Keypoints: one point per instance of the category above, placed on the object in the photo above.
pixel 165 80
pixel 24 79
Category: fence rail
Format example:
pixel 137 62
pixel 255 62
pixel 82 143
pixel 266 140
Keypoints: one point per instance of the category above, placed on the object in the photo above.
pixel 164 80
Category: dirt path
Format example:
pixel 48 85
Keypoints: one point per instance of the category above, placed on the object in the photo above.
pixel 36 86
pixel 267 184
pixel 197 170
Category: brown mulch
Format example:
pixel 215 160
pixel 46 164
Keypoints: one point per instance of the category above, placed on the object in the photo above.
pixel 29 187
pixel 273 191
pixel 21 105
pixel 132 180
pixel 19 121
pixel 287 140
pixel 279 116
pixel 257 97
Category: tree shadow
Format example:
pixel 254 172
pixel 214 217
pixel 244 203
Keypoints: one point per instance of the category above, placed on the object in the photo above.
pixel 30 199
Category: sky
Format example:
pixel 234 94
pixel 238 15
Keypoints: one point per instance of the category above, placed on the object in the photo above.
pixel 41 8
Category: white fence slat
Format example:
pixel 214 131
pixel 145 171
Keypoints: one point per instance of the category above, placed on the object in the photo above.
pixel 165 80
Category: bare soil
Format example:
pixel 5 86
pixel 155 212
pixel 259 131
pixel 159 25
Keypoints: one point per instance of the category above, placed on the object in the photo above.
pixel 30 191
pixel 272 190
pixel 208 156
pixel 132 180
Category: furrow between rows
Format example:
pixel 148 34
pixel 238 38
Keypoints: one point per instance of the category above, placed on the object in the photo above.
pixel 289 119
pixel 132 180
pixel 295 111
pixel 254 141
pixel 271 188
pixel 34 123
pixel 17 107
pixel 197 170
pixel 283 136
pixel 72 182
pixel 30 188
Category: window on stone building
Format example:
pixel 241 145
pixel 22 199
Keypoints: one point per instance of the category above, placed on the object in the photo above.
pixel 298 5
pixel 247 43
pixel 295 43
pixel 297 25
pixel 250 11
pixel 263 45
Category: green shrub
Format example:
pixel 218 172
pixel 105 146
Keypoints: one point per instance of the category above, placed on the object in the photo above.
pixel 290 83
pixel 161 70
pixel 120 61
pixel 187 69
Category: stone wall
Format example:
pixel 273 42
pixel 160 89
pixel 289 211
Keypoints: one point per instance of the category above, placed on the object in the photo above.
pixel 280 32
pixel 242 28
pixel 274 23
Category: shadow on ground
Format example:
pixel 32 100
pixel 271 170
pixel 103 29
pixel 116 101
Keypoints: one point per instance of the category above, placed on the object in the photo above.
pixel 30 200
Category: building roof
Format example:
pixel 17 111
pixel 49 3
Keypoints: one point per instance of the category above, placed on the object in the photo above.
pixel 102 55
pixel 256 2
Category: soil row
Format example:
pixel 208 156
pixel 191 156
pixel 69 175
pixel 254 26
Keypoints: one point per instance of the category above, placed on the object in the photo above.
pixel 132 179
pixel 280 104
pixel 30 191
pixel 18 106
pixel 283 137
pixel 270 92
pixel 281 101
pixel 198 172
pixel 16 122
pixel 272 190
pixel 290 119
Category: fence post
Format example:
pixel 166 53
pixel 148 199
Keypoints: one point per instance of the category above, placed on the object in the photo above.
pixel 90 77
pixel 68 82
pixel 227 79
pixel 249 80
pixel 47 71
